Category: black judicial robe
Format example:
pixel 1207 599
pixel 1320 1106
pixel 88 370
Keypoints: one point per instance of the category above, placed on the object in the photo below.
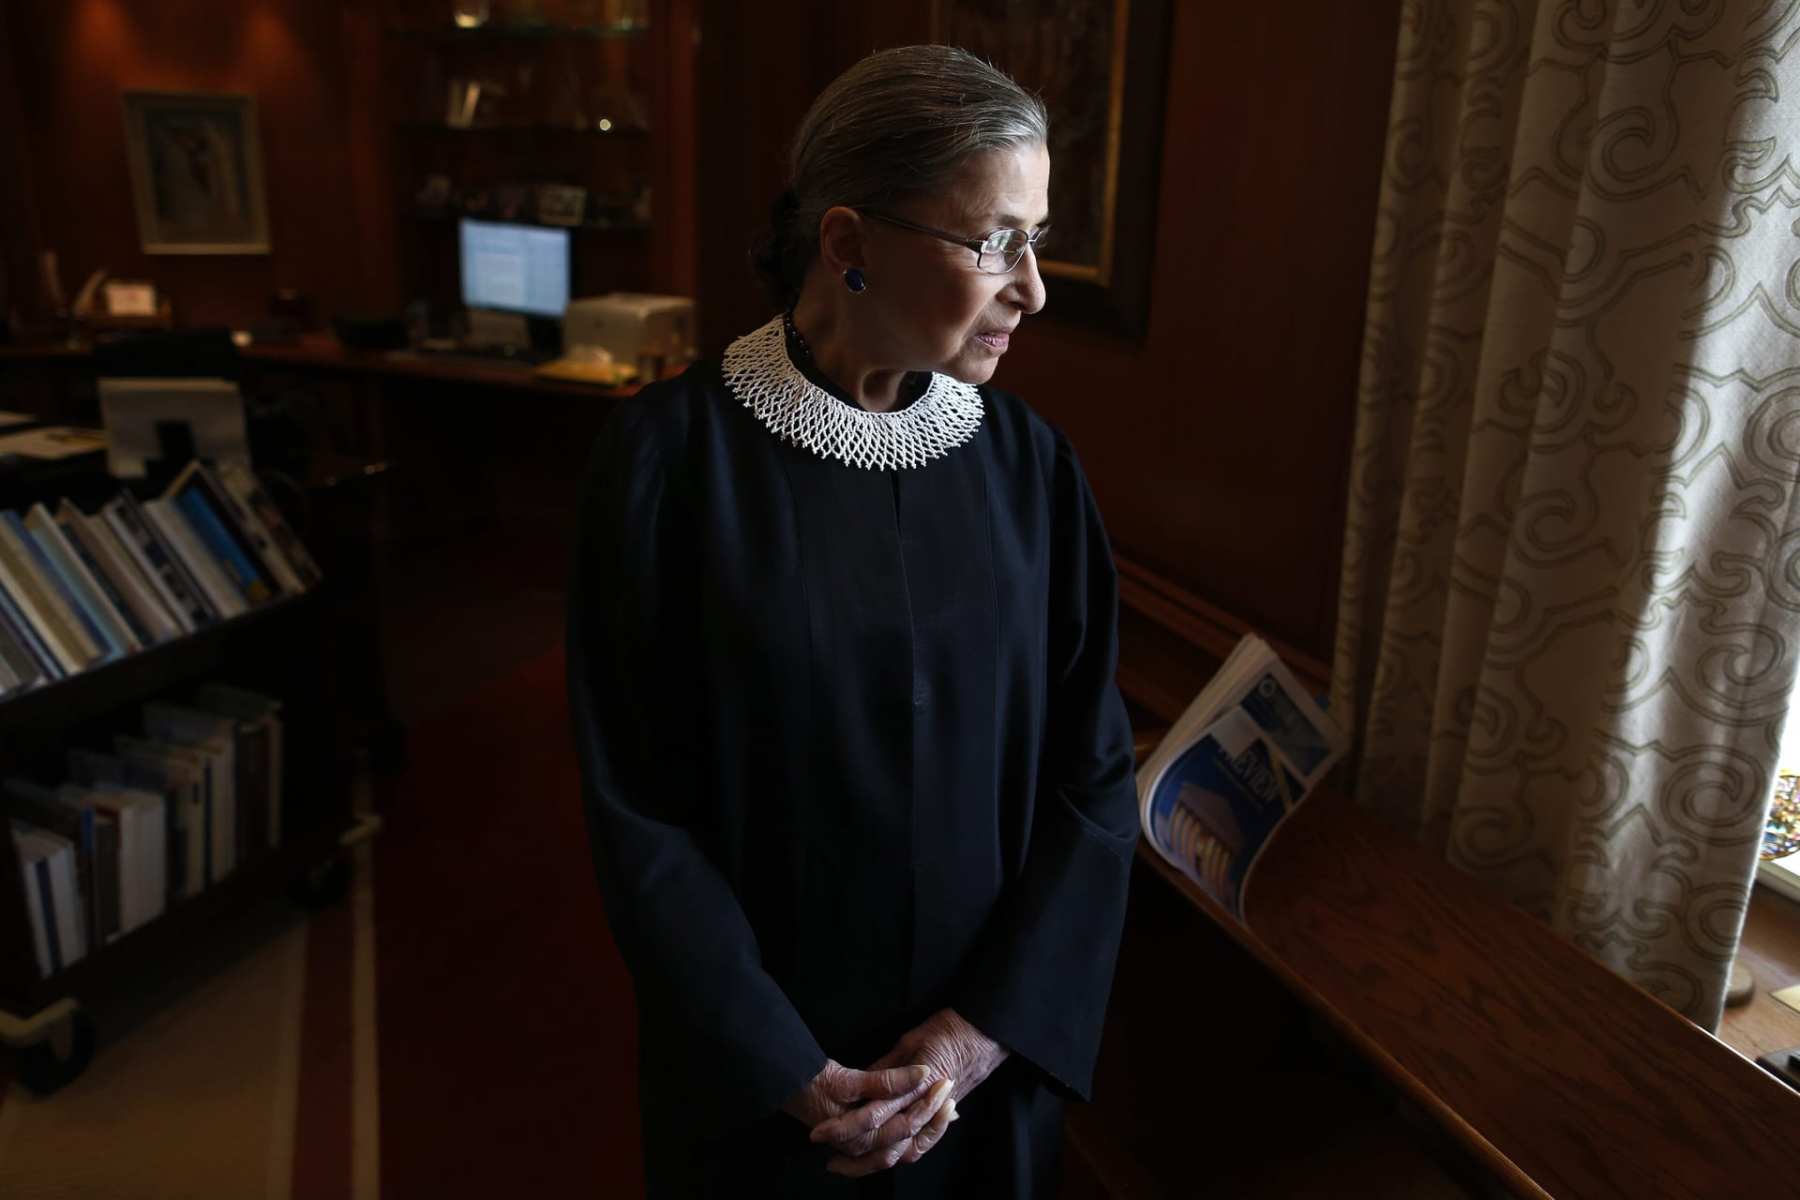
pixel 851 753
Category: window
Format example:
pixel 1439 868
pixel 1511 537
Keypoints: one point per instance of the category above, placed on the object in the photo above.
pixel 1783 874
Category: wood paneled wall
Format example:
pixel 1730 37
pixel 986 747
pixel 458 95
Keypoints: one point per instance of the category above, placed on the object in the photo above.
pixel 72 59
pixel 1219 443
pixel 18 198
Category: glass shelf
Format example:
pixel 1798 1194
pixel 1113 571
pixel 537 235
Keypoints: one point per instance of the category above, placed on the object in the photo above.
pixel 620 132
pixel 622 228
pixel 501 32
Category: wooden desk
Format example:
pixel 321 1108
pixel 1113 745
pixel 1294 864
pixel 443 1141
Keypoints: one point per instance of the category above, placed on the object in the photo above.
pixel 469 441
pixel 323 352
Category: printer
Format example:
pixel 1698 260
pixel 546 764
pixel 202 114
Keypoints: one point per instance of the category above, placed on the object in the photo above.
pixel 632 327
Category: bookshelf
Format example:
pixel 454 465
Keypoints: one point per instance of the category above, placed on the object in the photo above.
pixel 281 649
pixel 596 97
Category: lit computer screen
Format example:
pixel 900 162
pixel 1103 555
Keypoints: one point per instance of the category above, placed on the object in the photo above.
pixel 515 268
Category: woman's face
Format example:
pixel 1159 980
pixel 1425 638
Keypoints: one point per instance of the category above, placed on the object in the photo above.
pixel 935 309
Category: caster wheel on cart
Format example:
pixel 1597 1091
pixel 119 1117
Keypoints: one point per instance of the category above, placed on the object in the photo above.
pixel 46 1066
pixel 324 885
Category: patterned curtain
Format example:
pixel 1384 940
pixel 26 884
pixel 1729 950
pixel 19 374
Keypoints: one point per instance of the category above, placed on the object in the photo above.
pixel 1570 617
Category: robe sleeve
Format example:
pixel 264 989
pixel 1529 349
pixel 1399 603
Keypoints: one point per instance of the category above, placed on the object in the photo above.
pixel 632 677
pixel 1042 968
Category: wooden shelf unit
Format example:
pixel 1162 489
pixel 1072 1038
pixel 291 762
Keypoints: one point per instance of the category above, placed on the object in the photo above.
pixel 557 83
pixel 278 650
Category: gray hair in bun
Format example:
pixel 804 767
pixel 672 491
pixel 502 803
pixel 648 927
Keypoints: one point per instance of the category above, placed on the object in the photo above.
pixel 897 124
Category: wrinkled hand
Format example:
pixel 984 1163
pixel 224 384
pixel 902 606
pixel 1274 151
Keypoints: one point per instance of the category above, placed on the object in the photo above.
pixel 836 1089
pixel 874 1137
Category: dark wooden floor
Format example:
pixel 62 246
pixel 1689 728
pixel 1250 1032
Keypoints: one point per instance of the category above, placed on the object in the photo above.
pixel 463 611
pixel 457 616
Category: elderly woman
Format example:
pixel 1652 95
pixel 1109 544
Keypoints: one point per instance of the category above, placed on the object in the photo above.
pixel 840 648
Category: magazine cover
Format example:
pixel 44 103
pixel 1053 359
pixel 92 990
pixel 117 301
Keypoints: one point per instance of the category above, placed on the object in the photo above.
pixel 1241 758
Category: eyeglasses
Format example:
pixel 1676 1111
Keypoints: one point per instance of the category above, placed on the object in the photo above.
pixel 996 252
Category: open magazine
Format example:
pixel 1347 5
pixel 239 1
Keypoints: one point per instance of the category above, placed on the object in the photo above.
pixel 1241 758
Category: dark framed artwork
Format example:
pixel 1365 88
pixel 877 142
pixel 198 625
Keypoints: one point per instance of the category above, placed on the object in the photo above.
pixel 196 173
pixel 1101 68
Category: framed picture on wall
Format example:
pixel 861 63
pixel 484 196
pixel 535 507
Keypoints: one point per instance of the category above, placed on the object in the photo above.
pixel 196 173
pixel 1100 67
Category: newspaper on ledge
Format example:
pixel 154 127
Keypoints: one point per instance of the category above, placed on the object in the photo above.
pixel 1241 758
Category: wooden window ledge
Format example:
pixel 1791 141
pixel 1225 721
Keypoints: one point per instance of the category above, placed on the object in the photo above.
pixel 1558 1075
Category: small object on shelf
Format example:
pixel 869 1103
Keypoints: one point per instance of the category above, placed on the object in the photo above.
pixel 114 305
pixel 129 298
pixel 509 201
pixel 561 204
pixel 470 14
pixel 475 202
pixel 464 100
pixel 435 194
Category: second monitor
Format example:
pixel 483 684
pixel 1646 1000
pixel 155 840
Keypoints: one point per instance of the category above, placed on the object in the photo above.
pixel 515 268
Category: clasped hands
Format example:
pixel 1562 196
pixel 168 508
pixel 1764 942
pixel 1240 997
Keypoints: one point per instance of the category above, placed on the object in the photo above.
pixel 900 1107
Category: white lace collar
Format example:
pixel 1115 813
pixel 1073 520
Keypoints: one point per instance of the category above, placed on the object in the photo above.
pixel 759 372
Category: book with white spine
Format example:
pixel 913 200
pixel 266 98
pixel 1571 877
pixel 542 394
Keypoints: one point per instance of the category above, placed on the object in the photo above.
pixel 141 546
pixel 20 578
pixel 243 485
pixel 103 546
pixel 62 601
pixel 221 593
pixel 180 773
pixel 48 860
pixel 88 591
pixel 215 738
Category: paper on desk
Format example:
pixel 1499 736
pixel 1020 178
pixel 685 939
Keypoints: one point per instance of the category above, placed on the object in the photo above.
pixel 1789 996
pixel 54 441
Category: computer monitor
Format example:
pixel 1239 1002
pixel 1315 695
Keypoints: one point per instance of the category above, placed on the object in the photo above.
pixel 168 421
pixel 515 268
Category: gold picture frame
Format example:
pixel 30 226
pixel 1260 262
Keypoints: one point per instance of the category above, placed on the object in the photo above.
pixel 196 172
pixel 1100 67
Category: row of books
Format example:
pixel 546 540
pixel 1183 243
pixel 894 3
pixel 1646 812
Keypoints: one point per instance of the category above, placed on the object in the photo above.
pixel 81 589
pixel 153 819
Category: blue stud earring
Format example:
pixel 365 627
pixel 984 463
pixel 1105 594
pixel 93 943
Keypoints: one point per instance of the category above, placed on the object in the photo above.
pixel 853 279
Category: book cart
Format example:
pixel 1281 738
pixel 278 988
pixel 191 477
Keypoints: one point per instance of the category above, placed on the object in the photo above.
pixel 285 649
